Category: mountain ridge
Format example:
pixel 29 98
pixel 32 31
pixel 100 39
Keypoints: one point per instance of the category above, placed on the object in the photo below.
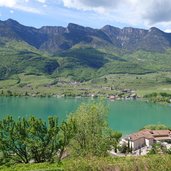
pixel 81 53
pixel 57 38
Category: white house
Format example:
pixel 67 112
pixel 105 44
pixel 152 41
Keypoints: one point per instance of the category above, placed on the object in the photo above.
pixel 147 138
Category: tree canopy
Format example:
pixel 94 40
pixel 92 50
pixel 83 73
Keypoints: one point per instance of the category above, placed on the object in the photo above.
pixel 93 135
pixel 85 132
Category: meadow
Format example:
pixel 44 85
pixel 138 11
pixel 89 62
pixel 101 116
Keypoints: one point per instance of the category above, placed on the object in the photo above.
pixel 43 85
pixel 143 163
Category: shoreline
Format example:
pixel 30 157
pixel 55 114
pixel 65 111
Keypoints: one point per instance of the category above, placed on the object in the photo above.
pixel 126 94
pixel 89 97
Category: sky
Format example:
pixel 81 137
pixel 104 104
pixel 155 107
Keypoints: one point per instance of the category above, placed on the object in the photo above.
pixel 91 13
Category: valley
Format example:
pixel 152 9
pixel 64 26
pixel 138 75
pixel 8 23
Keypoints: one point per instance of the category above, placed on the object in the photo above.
pixel 82 61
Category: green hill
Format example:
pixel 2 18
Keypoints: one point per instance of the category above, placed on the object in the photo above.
pixel 19 57
pixel 55 56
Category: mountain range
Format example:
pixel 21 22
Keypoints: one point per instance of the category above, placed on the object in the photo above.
pixel 56 38
pixel 81 52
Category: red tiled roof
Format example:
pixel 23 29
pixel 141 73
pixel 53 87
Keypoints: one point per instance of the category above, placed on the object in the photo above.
pixel 150 134
pixel 160 132
pixel 162 138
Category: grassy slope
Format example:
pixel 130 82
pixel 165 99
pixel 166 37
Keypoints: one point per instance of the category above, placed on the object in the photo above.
pixel 122 70
pixel 18 57
pixel 45 85
pixel 146 163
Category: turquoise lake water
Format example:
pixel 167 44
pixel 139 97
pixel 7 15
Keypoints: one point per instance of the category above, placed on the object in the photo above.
pixel 124 116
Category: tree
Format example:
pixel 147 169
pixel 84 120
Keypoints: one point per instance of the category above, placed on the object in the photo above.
pixel 12 139
pixel 123 148
pixel 156 127
pixel 157 148
pixel 67 131
pixel 31 139
pixel 115 137
pixel 43 140
pixel 92 135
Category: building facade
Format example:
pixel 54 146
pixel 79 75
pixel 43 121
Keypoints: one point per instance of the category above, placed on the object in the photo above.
pixel 147 138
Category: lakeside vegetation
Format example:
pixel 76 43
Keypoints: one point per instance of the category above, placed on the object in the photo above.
pixel 81 71
pixel 159 97
pixel 84 133
pixel 157 127
pixel 40 85
pixel 81 142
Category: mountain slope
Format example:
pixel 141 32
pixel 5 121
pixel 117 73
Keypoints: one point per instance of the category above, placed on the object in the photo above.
pixel 81 53
pixel 18 57
pixel 55 39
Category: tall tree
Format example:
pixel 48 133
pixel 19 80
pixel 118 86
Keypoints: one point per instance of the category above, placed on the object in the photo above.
pixel 42 142
pixel 67 131
pixel 93 135
pixel 13 137
pixel 24 140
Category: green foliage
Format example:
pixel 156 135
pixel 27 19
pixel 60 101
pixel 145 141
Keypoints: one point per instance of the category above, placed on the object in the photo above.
pixel 115 137
pixel 151 95
pixel 12 139
pixel 85 136
pixel 158 148
pixel 144 163
pixel 85 132
pixel 67 131
pixel 24 140
pixel 42 140
pixel 168 80
pixel 156 127
pixel 165 95
pixel 93 136
pixel 18 57
pixel 87 57
pixel 80 63
pixel 159 97
pixel 123 149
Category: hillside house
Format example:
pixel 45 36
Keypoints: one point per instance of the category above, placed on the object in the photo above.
pixel 147 138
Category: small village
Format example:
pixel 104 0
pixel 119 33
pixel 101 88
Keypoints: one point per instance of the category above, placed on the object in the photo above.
pixel 125 94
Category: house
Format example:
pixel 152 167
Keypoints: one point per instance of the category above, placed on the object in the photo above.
pixel 112 97
pixel 147 138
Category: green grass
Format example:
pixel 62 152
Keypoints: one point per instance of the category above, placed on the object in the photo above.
pixel 112 62
pixel 17 57
pixel 100 71
pixel 153 61
pixel 142 163
pixel 102 86
pixel 32 167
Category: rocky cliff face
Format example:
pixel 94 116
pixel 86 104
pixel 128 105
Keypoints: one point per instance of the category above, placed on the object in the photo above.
pixel 133 39
pixel 55 39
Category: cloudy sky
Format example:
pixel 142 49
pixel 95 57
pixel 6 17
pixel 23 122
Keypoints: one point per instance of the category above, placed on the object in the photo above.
pixel 93 13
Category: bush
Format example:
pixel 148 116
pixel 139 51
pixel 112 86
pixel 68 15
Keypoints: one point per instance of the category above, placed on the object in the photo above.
pixel 25 140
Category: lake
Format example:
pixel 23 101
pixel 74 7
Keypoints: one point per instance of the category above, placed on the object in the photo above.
pixel 124 116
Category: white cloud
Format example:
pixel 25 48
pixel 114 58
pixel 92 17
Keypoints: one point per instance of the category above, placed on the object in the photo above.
pixel 27 9
pixel 41 1
pixel 148 12
pixel 168 30
pixel 136 13
pixel 19 5
pixel 44 5
pixel 95 5
pixel 7 3
pixel 158 11
pixel 11 11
